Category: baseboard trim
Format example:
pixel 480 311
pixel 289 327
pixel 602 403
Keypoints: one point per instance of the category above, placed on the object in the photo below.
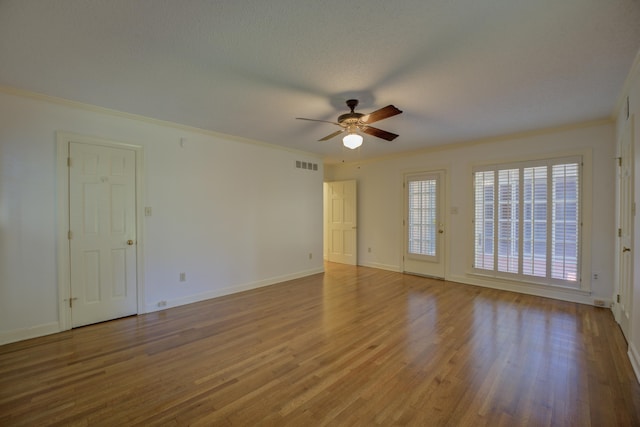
pixel 634 357
pixel 27 333
pixel 580 297
pixel 231 290
pixel 577 296
pixel 54 327
pixel 379 266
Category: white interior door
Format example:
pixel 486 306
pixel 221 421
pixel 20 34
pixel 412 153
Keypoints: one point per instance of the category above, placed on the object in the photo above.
pixel 102 238
pixel 342 222
pixel 424 225
pixel 623 305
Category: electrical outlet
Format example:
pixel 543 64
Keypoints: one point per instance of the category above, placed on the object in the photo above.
pixel 369 250
pixel 147 211
pixel 162 303
pixel 310 255
pixel 183 277
pixel 596 276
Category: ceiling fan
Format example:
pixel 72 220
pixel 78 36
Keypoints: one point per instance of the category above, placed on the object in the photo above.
pixel 352 122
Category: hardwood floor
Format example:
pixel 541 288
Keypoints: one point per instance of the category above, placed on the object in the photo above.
pixel 354 346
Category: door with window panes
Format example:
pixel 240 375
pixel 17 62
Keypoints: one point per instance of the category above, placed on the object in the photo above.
pixel 424 226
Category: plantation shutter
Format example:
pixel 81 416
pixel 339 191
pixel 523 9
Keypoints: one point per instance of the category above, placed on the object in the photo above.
pixel 422 206
pixel 565 221
pixel 527 219
pixel 484 219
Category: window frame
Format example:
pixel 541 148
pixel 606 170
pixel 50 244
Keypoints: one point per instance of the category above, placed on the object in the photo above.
pixel 582 282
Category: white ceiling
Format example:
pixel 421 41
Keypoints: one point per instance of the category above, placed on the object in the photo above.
pixel 459 69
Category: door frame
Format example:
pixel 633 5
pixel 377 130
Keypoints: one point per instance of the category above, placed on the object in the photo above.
pixel 627 130
pixel 63 139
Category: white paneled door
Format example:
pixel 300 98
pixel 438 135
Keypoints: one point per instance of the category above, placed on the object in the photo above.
pixel 623 298
pixel 424 225
pixel 342 222
pixel 102 237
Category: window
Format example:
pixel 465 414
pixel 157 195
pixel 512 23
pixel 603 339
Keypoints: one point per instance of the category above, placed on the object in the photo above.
pixel 527 220
pixel 422 216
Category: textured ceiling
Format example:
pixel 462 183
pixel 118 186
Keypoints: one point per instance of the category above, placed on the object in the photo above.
pixel 459 69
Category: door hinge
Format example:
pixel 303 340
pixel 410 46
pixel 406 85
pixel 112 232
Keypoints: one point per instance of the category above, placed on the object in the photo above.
pixel 618 298
pixel 69 162
pixel 70 235
pixel 619 232
pixel 620 161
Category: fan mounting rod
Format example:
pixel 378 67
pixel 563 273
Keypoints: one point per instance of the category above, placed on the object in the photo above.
pixel 350 118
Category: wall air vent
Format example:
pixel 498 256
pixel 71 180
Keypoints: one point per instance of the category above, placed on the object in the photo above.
pixel 306 165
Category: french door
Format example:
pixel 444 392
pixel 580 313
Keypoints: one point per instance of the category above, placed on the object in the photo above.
pixel 424 224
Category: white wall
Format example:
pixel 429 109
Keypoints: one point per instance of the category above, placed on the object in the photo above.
pixel 632 91
pixel 232 215
pixel 380 200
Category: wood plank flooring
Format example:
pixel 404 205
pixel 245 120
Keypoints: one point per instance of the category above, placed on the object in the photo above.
pixel 351 347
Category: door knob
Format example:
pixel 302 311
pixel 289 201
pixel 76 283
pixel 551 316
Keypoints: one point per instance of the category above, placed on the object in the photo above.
pixel 129 242
pixel 625 249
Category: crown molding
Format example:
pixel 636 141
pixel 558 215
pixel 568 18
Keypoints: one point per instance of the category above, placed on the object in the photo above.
pixel 144 119
pixel 487 140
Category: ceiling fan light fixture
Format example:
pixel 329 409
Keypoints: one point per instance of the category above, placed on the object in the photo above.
pixel 352 141
pixel 352 122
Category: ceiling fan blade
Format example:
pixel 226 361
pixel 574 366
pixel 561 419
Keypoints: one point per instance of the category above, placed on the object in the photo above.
pixel 314 120
pixel 336 133
pixel 379 133
pixel 383 113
